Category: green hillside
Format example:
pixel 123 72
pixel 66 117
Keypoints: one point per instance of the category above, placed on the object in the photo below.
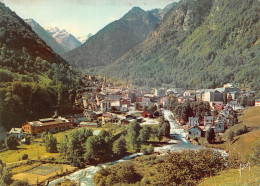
pixel 34 81
pixel 232 177
pixel 199 43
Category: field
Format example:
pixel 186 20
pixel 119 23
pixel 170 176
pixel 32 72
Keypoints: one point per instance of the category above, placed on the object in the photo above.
pixel 242 144
pixel 35 149
pixel 41 173
pixel 34 171
pixel 232 177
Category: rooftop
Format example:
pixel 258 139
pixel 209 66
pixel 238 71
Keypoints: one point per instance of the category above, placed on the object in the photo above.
pixel 48 121
pixel 15 130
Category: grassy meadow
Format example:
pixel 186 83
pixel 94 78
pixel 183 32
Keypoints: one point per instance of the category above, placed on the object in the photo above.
pixel 232 177
pixel 242 144
pixel 43 172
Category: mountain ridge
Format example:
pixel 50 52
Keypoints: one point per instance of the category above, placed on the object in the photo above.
pixel 113 40
pixel 65 39
pixel 192 45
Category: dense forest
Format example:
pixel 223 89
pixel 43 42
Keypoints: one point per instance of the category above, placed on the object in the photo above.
pixel 198 44
pixel 34 81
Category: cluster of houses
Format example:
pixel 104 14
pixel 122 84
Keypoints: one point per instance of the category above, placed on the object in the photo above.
pixel 217 97
pixel 195 129
pixel 103 103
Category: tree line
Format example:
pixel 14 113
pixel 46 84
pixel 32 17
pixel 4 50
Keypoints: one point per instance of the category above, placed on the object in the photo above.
pixel 81 147
pixel 182 111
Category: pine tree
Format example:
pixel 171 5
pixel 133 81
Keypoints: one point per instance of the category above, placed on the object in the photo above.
pixel 145 134
pixel 120 146
pixel 210 135
pixel 11 142
pixel 50 143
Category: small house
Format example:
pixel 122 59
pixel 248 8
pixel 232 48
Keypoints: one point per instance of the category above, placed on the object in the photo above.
pixel 125 101
pixel 108 117
pixel 208 120
pixel 193 121
pixel 219 126
pixel 90 115
pixel 76 119
pixel 17 132
pixel 131 116
pixel 126 121
pixel 257 102
pixel 148 114
pixel 194 132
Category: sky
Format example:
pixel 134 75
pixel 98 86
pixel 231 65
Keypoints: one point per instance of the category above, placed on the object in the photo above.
pixel 78 17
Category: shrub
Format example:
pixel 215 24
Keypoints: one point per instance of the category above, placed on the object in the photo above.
pixel 231 136
pixel 5 175
pixel 150 149
pixel 11 142
pixel 244 130
pixel 25 157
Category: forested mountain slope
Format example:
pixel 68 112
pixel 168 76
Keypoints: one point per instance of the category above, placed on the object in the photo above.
pixel 200 43
pixel 34 81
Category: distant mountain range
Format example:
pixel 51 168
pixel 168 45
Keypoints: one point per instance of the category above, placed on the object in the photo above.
pixel 65 39
pixel 59 40
pixel 42 33
pixel 199 43
pixel 114 40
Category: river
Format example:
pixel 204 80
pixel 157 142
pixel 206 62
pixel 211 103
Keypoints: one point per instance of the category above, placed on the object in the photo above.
pixel 181 143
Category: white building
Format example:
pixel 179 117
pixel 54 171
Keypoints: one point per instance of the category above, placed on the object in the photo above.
pixel 219 126
pixel 214 97
pixel 208 120
pixel 193 121
pixel 17 132
pixel 194 132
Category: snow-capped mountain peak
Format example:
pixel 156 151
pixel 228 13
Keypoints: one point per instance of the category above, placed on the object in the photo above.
pixel 67 40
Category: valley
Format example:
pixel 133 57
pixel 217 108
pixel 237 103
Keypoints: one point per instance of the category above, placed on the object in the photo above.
pixel 165 93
